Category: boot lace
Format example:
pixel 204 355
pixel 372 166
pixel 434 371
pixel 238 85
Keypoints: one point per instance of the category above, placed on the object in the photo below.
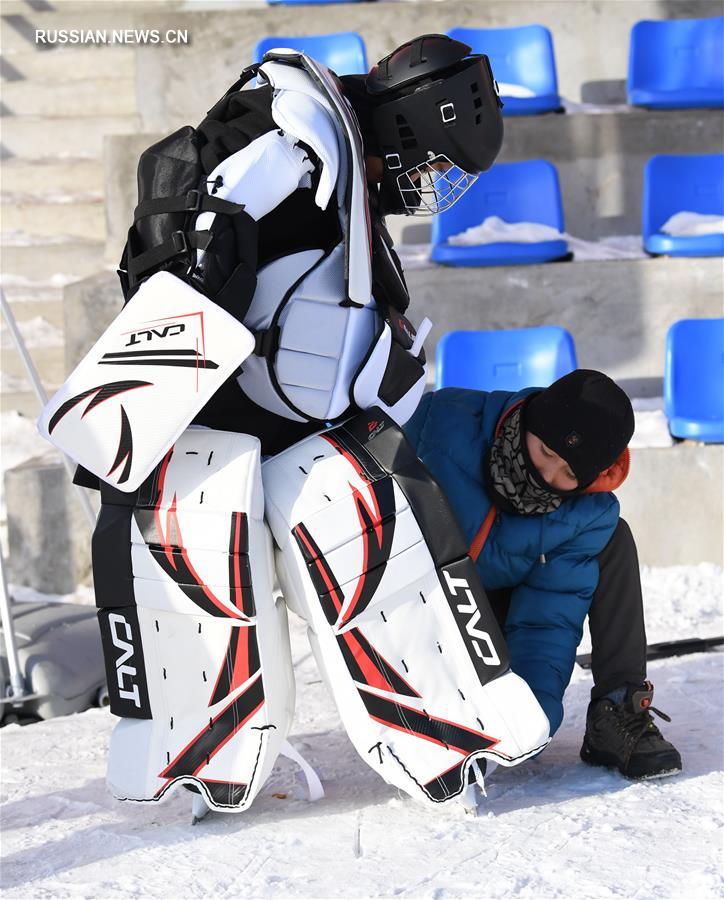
pixel 634 724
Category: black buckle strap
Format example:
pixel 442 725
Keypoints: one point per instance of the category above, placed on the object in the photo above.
pixel 193 201
pixel 178 244
pixel 266 342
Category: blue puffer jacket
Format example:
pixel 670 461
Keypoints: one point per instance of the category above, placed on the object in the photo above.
pixel 549 560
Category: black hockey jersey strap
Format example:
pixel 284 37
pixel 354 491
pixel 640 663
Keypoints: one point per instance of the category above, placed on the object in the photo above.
pixel 178 244
pixel 193 201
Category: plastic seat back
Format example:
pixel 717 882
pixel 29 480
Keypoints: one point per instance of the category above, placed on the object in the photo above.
pixel 682 184
pixel 523 57
pixel 677 63
pixel 694 379
pixel 506 360
pixel 343 52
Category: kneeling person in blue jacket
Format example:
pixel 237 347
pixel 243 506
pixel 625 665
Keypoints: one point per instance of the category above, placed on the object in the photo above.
pixel 529 476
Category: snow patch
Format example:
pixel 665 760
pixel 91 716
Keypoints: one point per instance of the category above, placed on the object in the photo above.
pixel 552 827
pixel 692 224
pixel 494 230
pixel 651 425
pixel 36 332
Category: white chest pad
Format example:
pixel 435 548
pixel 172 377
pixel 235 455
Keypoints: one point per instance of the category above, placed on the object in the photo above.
pixel 319 344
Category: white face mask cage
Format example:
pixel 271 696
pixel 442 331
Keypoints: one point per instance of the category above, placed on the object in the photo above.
pixel 433 186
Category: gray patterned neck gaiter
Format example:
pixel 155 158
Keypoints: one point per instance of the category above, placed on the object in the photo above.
pixel 509 476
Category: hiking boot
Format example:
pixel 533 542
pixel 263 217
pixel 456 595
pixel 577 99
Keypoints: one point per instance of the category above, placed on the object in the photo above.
pixel 624 736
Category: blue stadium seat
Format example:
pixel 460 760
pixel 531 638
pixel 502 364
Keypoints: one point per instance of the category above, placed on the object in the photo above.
pixel 682 184
pixel 343 52
pixel 694 379
pixel 522 56
pixel 677 64
pixel 504 360
pixel 516 192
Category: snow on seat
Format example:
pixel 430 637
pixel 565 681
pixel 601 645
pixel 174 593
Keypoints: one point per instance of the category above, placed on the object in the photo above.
pixel 520 192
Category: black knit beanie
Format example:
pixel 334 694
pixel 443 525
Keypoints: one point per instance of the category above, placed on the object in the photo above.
pixel 584 417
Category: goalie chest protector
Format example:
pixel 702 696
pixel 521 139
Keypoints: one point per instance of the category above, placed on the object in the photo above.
pixel 323 292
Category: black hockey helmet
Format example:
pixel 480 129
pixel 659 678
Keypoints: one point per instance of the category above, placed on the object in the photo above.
pixel 437 121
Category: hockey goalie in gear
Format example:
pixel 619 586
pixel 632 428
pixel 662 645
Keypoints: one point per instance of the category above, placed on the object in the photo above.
pixel 195 642
pixel 372 558
pixel 327 338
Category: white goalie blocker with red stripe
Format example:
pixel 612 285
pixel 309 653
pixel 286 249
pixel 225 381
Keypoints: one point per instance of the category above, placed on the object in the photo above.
pixel 370 555
pixel 211 697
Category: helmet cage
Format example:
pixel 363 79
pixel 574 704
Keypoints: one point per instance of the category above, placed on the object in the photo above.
pixel 433 186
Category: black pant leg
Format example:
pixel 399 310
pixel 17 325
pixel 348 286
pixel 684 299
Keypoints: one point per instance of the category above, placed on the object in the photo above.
pixel 616 617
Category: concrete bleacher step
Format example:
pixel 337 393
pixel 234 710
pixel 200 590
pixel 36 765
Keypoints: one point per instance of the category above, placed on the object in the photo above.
pixel 49 361
pixel 92 96
pixel 76 217
pixel 51 310
pixel 73 136
pixel 68 65
pixel 23 178
pixel 23 401
pixel 40 262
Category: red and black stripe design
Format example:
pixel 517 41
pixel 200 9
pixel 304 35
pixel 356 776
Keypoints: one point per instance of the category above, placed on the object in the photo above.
pixel 220 730
pixel 102 392
pixel 125 450
pixel 325 584
pixel 419 723
pixel 367 666
pixel 241 593
pixel 165 542
pixel 241 661
pixel 378 531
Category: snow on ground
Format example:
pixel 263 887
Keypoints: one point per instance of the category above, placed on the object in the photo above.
pixel 550 828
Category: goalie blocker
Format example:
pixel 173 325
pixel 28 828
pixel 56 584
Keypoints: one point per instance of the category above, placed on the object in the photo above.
pixel 371 556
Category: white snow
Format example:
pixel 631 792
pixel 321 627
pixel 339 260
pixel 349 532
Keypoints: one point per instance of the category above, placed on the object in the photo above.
pixel 493 230
pixel 691 224
pixel 550 828
pixel 36 332
pixel 651 425
pixel 519 91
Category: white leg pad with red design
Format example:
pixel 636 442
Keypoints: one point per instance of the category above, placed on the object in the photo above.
pixel 195 639
pixel 371 556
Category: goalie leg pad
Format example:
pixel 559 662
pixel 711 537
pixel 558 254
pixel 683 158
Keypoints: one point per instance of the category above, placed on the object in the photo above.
pixel 196 644
pixel 370 554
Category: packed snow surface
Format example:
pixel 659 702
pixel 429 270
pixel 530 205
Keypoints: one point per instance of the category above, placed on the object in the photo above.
pixel 550 828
